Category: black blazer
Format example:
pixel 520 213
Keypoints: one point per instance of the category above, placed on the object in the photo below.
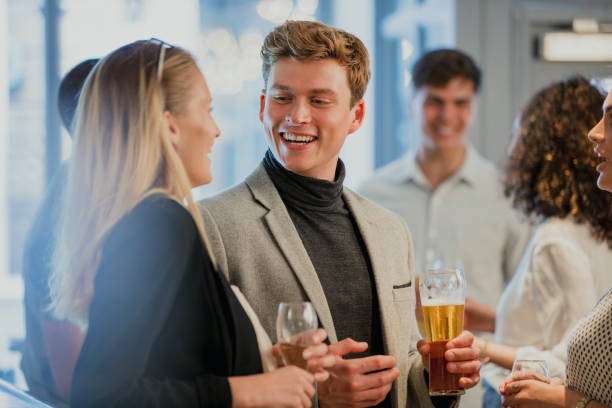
pixel 165 328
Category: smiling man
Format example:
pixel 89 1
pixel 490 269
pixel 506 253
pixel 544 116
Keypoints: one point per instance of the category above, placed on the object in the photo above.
pixel 292 232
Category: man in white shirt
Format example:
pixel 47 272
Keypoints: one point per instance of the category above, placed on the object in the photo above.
pixel 450 196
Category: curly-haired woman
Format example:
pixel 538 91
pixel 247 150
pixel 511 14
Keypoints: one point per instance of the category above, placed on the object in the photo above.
pixel 565 270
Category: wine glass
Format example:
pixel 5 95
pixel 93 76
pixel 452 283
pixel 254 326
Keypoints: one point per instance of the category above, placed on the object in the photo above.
pixel 295 323
pixel 531 366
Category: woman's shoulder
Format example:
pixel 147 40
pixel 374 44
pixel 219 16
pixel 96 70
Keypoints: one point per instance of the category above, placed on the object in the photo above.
pixel 157 217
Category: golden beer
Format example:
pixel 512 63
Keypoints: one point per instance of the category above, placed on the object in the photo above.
pixel 442 323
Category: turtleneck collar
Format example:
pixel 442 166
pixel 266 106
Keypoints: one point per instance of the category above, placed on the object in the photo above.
pixel 305 192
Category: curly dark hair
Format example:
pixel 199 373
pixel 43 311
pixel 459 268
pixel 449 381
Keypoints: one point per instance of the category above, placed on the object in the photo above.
pixel 551 172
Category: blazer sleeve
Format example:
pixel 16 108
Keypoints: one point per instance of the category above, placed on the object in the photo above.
pixel 144 260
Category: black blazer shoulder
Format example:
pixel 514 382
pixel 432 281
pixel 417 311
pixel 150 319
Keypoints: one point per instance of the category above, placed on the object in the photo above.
pixel 161 323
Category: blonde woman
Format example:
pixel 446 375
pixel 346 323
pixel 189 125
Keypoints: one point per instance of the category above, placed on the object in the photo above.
pixel 132 263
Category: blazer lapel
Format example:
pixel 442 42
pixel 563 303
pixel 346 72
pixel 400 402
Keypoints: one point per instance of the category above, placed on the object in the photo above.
pixel 374 240
pixel 286 236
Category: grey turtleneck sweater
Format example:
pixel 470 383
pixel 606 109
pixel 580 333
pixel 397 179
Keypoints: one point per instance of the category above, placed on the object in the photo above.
pixel 337 251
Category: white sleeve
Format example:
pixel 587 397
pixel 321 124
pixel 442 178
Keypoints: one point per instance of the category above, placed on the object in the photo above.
pixel 563 292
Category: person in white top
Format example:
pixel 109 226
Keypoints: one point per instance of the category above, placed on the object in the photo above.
pixel 565 269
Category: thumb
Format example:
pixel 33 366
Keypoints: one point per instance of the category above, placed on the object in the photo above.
pixel 423 347
pixel 347 346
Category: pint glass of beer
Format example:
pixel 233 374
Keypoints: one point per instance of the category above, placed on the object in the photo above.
pixel 442 292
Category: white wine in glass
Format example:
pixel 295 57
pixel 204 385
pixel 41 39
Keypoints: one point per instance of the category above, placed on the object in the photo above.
pixel 295 324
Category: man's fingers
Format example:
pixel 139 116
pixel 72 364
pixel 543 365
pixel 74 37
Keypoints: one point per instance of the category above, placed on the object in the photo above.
pixel 372 363
pixel 371 381
pixel 321 375
pixel 315 336
pixel 462 354
pixel 315 351
pixel 464 367
pixel 347 346
pixel 465 339
pixel 469 381
pixel 326 361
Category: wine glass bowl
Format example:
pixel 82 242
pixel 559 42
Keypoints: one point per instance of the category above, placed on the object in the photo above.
pixel 539 367
pixel 295 324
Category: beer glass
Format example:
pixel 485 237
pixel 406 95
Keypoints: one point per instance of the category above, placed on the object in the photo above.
pixel 539 367
pixel 294 323
pixel 442 292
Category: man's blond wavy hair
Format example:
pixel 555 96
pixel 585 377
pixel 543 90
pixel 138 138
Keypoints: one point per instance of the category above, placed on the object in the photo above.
pixel 311 40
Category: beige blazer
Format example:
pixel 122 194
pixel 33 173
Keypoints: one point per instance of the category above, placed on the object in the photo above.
pixel 258 248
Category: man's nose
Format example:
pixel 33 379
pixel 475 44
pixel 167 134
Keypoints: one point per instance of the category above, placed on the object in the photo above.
pixel 300 113
pixel 448 112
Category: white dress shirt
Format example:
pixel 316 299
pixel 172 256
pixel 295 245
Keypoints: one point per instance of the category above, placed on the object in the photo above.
pixel 466 220
pixel 563 274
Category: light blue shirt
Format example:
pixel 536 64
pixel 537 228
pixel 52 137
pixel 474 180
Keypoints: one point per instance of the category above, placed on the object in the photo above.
pixel 466 220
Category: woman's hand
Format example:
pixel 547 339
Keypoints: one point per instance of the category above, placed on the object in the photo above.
pixel 317 355
pixel 527 390
pixel 287 387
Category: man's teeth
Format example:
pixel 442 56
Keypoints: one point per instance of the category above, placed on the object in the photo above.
pixel 290 137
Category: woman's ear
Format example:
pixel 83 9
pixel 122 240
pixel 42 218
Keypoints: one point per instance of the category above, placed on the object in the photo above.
pixel 173 129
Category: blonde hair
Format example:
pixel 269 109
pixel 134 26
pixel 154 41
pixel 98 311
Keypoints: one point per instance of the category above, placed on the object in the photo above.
pixel 121 154
pixel 311 40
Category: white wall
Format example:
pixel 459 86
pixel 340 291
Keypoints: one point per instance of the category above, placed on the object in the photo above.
pixel 357 17
pixel 499 35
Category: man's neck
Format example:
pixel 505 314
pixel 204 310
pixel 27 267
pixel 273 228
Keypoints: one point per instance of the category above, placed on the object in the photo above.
pixel 438 165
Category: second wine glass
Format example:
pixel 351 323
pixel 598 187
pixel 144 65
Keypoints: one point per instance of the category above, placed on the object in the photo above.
pixel 531 366
pixel 295 324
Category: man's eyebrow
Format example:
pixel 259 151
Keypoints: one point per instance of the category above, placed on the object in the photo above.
pixel 323 91
pixel 317 91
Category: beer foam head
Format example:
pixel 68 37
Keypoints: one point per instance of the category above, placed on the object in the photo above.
pixel 429 301
pixel 442 286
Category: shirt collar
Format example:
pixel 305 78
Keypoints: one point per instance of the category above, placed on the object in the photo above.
pixel 468 173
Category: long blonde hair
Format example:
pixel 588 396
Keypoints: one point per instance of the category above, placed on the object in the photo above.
pixel 122 153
